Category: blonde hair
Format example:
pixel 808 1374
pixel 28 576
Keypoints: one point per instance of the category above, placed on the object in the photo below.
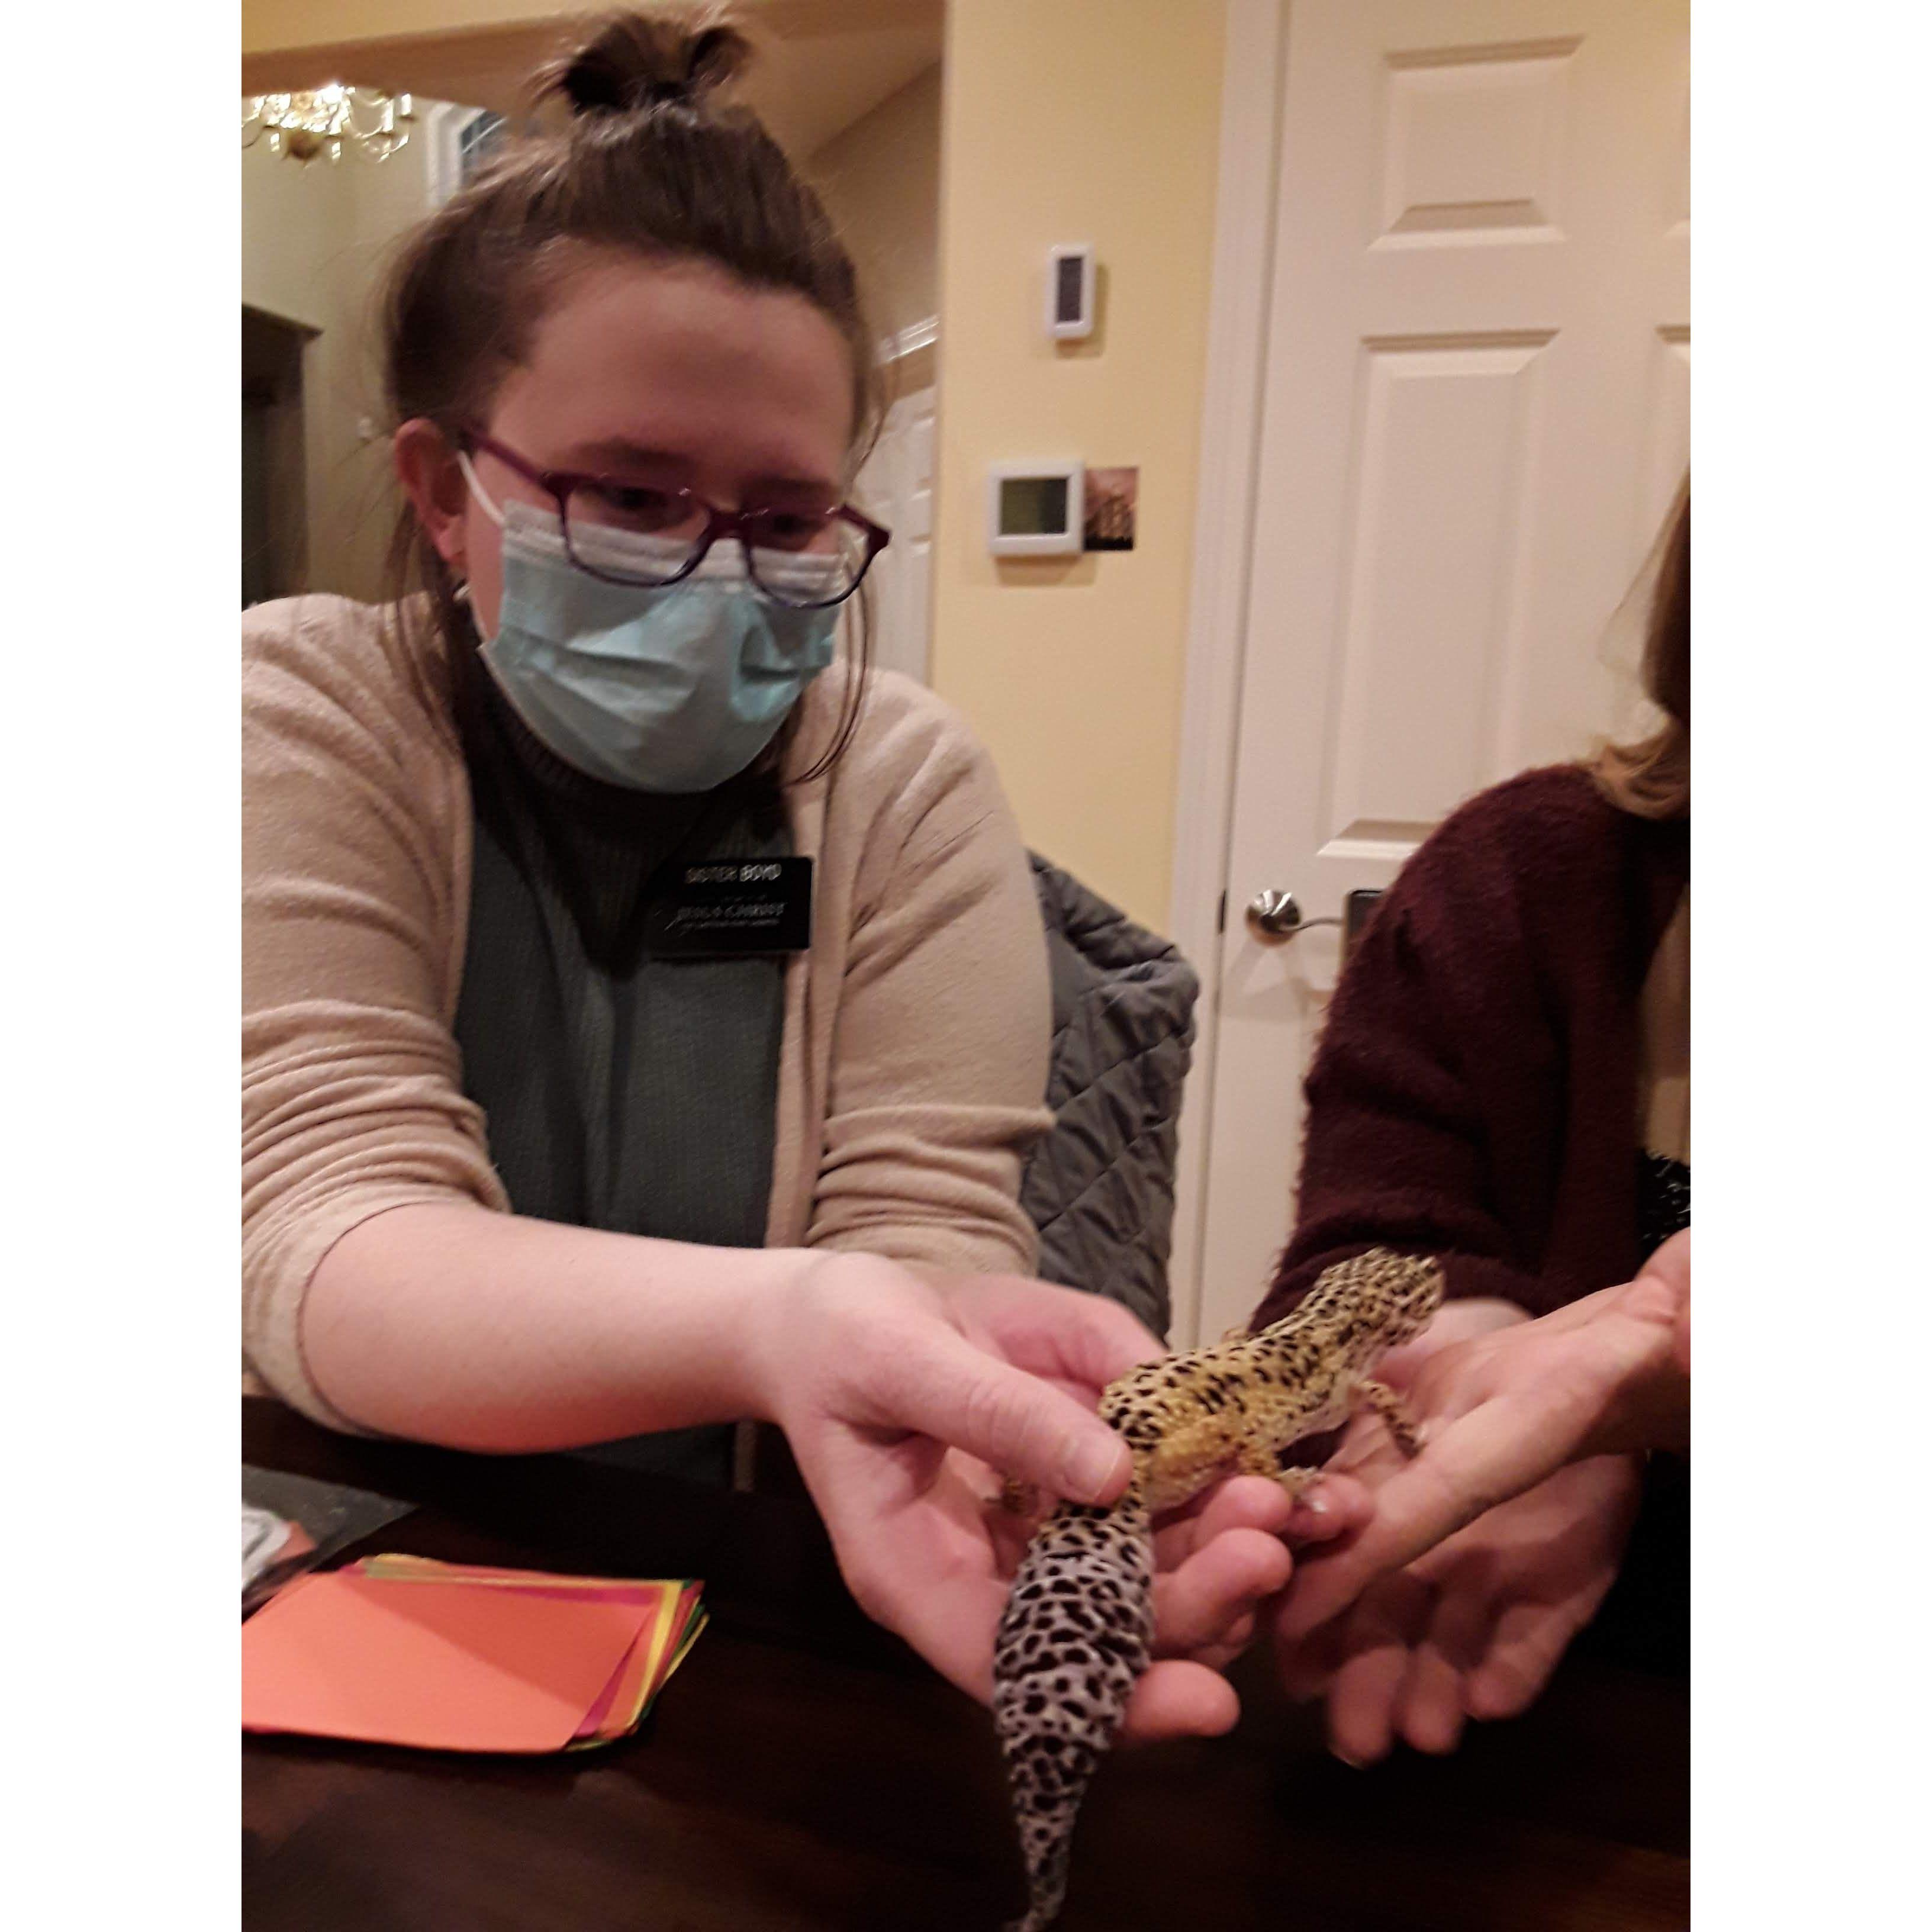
pixel 1651 778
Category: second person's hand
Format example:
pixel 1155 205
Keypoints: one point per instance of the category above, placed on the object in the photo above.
pixel 1473 1628
pixel 1488 1551
pixel 1503 1403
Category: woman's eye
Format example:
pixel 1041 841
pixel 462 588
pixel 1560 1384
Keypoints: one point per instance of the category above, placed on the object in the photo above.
pixel 639 505
pixel 788 530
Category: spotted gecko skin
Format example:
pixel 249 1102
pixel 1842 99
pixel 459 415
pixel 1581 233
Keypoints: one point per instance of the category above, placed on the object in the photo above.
pixel 1078 1630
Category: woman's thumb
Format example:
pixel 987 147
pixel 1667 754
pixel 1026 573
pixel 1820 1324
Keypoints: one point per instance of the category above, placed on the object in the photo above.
pixel 1022 1425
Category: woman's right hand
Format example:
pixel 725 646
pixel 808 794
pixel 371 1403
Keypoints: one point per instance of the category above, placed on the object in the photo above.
pixel 903 1394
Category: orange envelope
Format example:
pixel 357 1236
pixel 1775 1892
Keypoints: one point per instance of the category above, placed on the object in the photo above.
pixel 443 1667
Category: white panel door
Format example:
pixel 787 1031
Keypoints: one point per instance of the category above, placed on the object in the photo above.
pixel 895 487
pixel 1475 412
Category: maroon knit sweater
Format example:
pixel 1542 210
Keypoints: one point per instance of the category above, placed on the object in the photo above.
pixel 1474 1093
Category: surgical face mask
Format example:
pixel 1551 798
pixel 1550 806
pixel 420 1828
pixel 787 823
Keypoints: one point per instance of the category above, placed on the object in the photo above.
pixel 674 689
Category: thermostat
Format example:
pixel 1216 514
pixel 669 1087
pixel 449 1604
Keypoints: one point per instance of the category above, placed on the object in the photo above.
pixel 1036 509
pixel 1069 293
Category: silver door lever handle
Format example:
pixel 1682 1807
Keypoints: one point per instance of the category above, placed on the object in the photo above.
pixel 1274 917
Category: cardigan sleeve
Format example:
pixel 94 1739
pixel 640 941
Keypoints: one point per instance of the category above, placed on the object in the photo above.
pixel 351 1095
pixel 1442 986
pixel 938 1075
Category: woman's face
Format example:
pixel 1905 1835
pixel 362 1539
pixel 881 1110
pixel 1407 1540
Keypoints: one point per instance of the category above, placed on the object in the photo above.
pixel 667 375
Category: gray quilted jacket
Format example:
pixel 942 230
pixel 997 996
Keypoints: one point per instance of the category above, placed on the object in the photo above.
pixel 1100 1186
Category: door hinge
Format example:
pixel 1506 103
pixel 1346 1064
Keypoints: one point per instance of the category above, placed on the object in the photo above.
pixel 1221 914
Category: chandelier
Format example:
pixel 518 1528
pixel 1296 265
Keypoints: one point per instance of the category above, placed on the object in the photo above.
pixel 305 125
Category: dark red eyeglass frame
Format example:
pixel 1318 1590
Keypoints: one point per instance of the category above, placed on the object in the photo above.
pixel 742 524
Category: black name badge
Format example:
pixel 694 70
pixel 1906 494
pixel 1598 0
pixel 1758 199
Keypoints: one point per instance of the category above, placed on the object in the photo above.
pixel 730 906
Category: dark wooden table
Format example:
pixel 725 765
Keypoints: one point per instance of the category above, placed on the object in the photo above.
pixel 803 1770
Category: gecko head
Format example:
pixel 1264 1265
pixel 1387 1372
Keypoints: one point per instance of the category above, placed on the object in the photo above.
pixel 1380 1299
pixel 1415 1293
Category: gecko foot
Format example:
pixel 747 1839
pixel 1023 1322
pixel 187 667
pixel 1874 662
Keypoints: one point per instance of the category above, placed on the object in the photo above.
pixel 1018 1497
pixel 1296 1481
pixel 1394 1413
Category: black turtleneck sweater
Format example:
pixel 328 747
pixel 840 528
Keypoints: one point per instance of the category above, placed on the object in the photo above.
pixel 620 1091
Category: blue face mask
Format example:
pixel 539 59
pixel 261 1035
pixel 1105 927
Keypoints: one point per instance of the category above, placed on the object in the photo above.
pixel 669 690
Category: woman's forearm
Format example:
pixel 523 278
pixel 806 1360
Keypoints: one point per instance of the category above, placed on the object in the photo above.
pixel 486 1331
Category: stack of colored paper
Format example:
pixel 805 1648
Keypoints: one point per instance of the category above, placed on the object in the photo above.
pixel 446 1656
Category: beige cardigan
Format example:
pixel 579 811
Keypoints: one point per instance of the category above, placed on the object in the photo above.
pixel 915 1045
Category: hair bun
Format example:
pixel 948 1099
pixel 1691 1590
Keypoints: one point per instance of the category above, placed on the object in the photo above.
pixel 636 61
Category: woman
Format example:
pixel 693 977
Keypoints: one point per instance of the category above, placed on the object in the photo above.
pixel 573 1110
pixel 1504 1081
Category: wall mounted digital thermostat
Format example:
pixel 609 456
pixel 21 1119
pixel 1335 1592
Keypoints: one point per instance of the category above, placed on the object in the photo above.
pixel 1035 509
pixel 1069 293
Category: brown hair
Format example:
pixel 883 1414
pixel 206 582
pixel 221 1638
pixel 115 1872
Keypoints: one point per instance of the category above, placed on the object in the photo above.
pixel 1652 777
pixel 649 162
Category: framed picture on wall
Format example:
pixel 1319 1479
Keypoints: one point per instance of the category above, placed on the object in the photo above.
pixel 1112 504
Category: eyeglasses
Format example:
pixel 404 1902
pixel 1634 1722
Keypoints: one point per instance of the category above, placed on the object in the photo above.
pixel 808 558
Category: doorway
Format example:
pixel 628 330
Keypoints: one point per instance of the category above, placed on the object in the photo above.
pixel 1466 411
pixel 896 485
pixel 274 514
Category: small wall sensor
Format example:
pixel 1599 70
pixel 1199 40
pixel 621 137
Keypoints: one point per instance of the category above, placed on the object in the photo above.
pixel 1035 509
pixel 1069 293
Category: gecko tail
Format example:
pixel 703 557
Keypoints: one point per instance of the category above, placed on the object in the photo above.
pixel 1077 1633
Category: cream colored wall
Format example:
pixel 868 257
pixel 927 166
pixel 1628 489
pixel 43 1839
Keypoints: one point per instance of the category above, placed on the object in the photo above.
pixel 1094 120
pixel 880 180
pixel 314 240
